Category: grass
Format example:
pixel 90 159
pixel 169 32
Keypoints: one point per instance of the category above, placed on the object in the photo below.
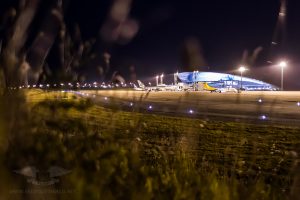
pixel 116 154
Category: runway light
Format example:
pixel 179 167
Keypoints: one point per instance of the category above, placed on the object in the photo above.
pixel 260 100
pixel 263 117
pixel 131 104
pixel 191 111
pixel 298 103
pixel 105 98
pixel 150 107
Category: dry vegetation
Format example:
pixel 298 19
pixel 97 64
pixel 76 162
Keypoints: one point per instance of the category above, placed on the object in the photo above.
pixel 114 154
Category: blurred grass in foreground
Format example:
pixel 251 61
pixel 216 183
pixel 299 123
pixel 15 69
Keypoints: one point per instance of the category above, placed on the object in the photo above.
pixel 113 154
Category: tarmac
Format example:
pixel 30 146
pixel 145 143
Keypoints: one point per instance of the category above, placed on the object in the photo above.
pixel 257 106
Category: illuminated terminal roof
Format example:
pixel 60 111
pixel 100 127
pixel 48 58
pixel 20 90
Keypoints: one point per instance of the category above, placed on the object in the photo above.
pixel 225 80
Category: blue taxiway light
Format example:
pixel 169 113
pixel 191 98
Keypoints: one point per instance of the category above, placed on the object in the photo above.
pixel 263 117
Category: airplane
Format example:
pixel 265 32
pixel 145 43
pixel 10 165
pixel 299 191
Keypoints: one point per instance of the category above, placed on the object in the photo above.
pixel 160 87
pixel 209 88
pixel 219 90
pixel 185 87
pixel 181 87
pixel 138 88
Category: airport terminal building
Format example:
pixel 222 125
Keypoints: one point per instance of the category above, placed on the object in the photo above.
pixel 221 80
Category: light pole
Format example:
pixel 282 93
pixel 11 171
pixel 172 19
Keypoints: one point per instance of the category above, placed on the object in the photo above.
pixel 196 86
pixel 242 69
pixel 194 80
pixel 282 64
pixel 161 78
pixel 175 78
pixel 156 80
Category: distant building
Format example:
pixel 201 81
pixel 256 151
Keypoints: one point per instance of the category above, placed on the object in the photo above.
pixel 220 80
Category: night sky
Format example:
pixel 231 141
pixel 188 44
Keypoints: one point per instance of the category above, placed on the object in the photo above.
pixel 223 30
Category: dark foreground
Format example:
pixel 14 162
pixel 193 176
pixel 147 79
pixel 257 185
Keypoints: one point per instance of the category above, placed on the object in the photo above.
pixel 58 146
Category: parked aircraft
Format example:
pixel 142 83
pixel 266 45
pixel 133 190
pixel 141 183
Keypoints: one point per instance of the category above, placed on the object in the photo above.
pixel 160 87
pixel 219 90
pixel 209 88
pixel 182 87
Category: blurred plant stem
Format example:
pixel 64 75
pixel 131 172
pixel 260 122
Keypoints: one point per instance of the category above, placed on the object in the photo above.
pixel 13 116
pixel 15 41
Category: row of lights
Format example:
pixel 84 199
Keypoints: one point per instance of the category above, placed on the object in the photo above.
pixel 77 85
pixel 189 111
pixel 242 69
